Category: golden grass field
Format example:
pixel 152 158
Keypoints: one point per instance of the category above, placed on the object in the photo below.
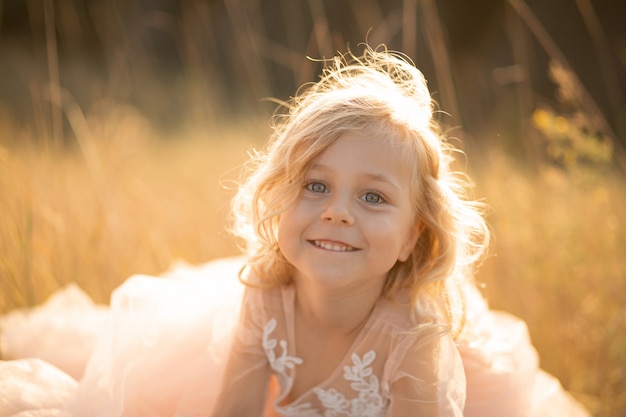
pixel 124 202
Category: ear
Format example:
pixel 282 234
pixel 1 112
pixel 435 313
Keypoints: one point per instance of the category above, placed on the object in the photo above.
pixel 411 240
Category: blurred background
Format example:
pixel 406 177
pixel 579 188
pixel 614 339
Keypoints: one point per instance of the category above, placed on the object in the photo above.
pixel 488 61
pixel 124 124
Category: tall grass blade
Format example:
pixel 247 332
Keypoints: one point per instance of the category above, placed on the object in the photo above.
pixel 554 52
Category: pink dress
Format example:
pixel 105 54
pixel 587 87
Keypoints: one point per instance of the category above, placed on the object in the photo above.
pixel 389 368
pixel 161 348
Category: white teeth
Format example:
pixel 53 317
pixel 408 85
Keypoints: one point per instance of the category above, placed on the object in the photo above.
pixel 333 247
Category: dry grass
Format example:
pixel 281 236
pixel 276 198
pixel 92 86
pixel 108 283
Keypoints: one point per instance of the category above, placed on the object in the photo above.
pixel 137 207
pixel 559 264
pixel 142 203
pixel 126 202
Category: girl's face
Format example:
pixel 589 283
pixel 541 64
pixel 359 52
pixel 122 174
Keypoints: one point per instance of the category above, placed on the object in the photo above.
pixel 354 217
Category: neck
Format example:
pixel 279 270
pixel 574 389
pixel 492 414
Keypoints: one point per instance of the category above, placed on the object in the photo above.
pixel 335 311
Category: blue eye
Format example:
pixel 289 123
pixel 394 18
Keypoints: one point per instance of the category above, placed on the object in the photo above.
pixel 316 187
pixel 373 198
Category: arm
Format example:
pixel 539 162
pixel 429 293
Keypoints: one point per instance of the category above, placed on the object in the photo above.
pixel 429 380
pixel 244 387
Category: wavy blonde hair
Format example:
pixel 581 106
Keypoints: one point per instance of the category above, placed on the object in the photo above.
pixel 377 92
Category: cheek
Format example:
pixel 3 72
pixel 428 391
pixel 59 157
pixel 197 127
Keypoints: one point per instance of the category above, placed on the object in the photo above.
pixel 389 235
pixel 408 235
pixel 284 227
pixel 288 227
pixel 285 239
pixel 407 246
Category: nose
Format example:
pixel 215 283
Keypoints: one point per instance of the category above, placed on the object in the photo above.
pixel 338 210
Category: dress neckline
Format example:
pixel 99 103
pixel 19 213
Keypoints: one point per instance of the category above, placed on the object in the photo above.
pixel 289 298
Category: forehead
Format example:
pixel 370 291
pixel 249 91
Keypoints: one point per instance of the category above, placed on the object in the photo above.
pixel 370 154
pixel 362 145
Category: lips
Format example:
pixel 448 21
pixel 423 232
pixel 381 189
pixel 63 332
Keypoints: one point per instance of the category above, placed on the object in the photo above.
pixel 333 246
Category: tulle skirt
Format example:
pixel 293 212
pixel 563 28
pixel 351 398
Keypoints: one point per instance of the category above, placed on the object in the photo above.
pixel 159 349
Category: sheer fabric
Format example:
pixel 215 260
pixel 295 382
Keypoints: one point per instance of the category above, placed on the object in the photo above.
pixel 161 349
pixel 389 370
pixel 164 351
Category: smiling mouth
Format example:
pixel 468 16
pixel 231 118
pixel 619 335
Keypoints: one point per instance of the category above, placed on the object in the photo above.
pixel 335 247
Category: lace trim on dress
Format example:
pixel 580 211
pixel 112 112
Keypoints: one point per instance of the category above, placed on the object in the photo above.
pixel 368 403
pixel 283 362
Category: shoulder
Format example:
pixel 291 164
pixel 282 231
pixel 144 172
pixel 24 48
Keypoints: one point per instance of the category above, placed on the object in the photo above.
pixel 395 313
pixel 408 338
pixel 262 312
pixel 423 371
pixel 266 303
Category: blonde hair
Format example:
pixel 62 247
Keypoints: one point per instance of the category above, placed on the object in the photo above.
pixel 377 92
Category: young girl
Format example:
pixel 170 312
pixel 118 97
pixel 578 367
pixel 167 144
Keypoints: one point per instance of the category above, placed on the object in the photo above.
pixel 360 244
pixel 359 282
pixel 358 298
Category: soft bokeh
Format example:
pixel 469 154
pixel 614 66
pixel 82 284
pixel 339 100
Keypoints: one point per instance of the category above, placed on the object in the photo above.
pixel 124 124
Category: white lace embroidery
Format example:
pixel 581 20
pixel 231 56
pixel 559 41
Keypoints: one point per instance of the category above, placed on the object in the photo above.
pixel 283 362
pixel 368 403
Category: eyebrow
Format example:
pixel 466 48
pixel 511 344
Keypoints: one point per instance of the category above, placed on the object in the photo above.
pixel 371 176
